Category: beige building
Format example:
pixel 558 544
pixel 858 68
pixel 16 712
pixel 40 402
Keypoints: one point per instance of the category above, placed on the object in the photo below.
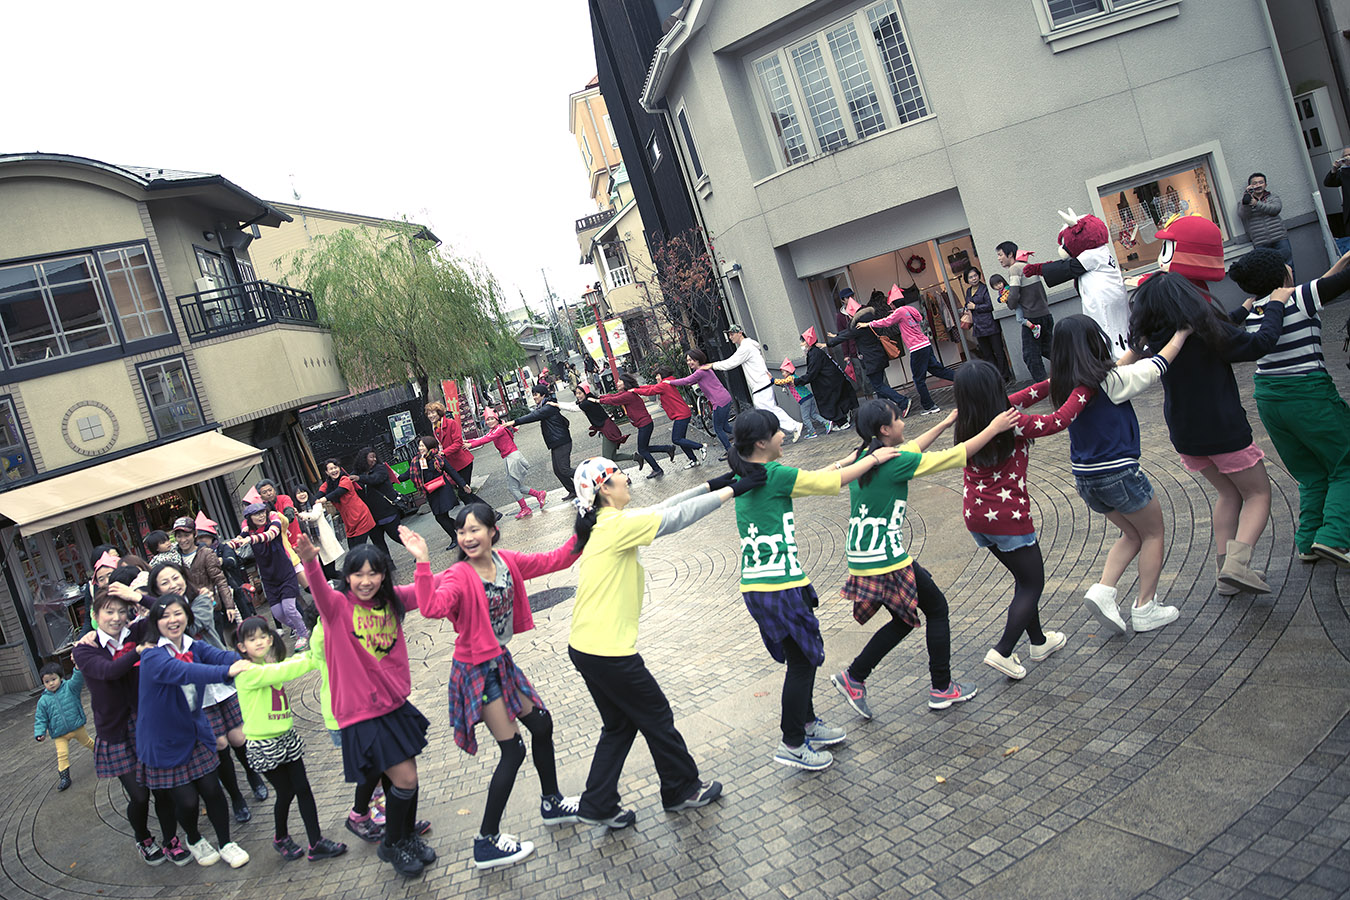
pixel 273 252
pixel 146 373
pixel 612 238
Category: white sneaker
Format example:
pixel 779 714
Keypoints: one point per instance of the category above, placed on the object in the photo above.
pixel 204 853
pixel 1100 600
pixel 703 451
pixel 1008 665
pixel 691 464
pixel 1152 615
pixel 1054 640
pixel 797 435
pixel 233 854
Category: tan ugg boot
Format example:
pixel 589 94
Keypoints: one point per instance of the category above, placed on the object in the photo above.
pixel 1223 590
pixel 1237 571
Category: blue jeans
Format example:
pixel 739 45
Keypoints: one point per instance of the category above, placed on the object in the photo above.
pixel 921 364
pixel 811 417
pixel 883 389
pixel 678 428
pixel 722 425
pixel 1126 491
pixel 1343 245
pixel 644 434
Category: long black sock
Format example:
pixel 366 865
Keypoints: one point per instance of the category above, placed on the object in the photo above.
pixel 412 810
pixel 540 724
pixel 396 801
pixel 361 802
pixel 241 754
pixel 499 790
pixel 228 779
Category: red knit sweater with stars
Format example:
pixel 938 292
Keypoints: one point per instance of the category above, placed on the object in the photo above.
pixel 995 497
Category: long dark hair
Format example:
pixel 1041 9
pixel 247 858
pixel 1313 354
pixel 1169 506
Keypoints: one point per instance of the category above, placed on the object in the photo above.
pixel 484 514
pixel 872 417
pixel 356 559
pixel 360 465
pixel 697 355
pixel 628 381
pixel 153 587
pixel 1167 302
pixel 752 426
pixel 979 398
pixel 254 624
pixel 1080 356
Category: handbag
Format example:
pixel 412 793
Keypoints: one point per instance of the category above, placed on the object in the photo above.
pixel 434 484
pixel 888 344
pixel 967 320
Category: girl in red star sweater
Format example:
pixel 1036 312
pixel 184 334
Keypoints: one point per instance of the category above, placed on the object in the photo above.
pixel 996 507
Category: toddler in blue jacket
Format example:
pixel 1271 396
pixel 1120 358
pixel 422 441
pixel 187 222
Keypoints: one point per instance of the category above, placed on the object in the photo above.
pixel 60 713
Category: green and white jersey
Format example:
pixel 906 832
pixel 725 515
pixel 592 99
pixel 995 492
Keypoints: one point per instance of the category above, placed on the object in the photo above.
pixel 764 518
pixel 876 522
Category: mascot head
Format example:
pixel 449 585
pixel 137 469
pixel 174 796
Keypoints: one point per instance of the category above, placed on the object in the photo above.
pixel 1192 247
pixel 1081 233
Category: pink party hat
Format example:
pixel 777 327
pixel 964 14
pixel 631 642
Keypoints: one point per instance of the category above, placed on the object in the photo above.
pixel 787 365
pixel 204 524
pixel 252 497
pixel 895 294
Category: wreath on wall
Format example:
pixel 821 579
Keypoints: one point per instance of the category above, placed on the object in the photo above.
pixel 915 264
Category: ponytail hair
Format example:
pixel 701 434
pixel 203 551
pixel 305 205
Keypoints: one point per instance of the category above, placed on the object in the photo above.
pixel 251 626
pixel 582 527
pixel 752 426
pixel 872 417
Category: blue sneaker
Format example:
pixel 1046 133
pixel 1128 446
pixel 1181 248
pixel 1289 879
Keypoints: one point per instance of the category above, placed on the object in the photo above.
pixel 555 809
pixel 499 850
pixel 955 693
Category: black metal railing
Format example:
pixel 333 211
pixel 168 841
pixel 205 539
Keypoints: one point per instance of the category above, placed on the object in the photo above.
pixel 208 314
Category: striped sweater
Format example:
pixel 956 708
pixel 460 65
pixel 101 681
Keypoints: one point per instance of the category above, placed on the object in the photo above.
pixel 1299 349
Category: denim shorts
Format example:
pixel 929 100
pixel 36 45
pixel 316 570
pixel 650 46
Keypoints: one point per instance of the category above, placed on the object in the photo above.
pixel 1004 542
pixel 492 686
pixel 1126 491
pixel 336 737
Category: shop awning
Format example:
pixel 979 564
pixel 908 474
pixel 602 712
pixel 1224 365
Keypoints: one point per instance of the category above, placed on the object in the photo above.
pixel 118 482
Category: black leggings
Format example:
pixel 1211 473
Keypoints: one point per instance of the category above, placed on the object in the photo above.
pixel 378 533
pixel 138 809
pixel 290 783
pixel 798 684
pixel 1024 614
pixel 184 799
pixel 645 448
pixel 939 632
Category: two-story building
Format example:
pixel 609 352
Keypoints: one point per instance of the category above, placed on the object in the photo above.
pixel 866 143
pixel 145 373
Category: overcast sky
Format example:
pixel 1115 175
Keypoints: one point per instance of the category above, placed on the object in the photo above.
pixel 451 113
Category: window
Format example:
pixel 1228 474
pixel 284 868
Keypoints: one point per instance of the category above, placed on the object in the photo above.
pixel 135 292
pixel 51 309
pixel 586 151
pixel 170 396
pixel 654 150
pixel 1071 23
pixel 609 130
pixel 90 427
pixel 683 119
pixel 212 265
pixel 15 463
pixel 1137 207
pixel 834 76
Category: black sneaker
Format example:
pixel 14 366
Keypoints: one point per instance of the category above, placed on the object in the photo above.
pixel 176 853
pixel 404 861
pixel 621 819
pixel 242 814
pixel 288 848
pixel 556 809
pixel 499 850
pixel 659 473
pixel 421 849
pixel 704 794
pixel 326 849
pixel 150 852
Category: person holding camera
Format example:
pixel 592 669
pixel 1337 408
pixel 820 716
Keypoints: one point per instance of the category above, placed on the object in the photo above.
pixel 1339 177
pixel 1260 213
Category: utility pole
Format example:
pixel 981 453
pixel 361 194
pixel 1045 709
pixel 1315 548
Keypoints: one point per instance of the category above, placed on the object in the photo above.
pixel 566 330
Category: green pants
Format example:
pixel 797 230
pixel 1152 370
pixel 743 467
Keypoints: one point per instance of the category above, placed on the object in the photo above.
pixel 1309 424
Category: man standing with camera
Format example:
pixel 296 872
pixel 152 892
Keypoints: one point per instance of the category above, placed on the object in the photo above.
pixel 1260 213
pixel 1339 176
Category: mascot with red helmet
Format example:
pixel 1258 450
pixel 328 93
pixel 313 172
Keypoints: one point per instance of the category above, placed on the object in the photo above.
pixel 1192 248
pixel 1087 258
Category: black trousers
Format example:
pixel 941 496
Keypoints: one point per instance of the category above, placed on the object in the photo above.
pixel 933 604
pixel 798 707
pixel 630 701
pixel 562 466
pixel 1034 348
pixel 990 348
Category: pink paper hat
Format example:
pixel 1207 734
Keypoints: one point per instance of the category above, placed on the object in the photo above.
pixel 1024 255
pixel 204 524
pixel 852 306
pixel 787 365
pixel 895 294
pixel 252 496
pixel 809 335
pixel 109 560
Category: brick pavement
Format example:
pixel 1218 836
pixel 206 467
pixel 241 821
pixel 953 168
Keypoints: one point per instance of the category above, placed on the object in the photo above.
pixel 1207 759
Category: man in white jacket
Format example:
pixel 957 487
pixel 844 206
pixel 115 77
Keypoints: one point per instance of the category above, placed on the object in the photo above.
pixel 750 358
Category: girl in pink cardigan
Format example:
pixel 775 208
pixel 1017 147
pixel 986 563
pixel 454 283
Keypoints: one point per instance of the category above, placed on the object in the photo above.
pixel 517 465
pixel 484 596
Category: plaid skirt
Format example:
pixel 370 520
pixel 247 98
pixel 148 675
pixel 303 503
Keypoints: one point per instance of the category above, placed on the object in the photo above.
pixel 784 614
pixel 466 695
pixel 202 762
pixel 266 755
pixel 115 760
pixel 897 590
pixel 225 716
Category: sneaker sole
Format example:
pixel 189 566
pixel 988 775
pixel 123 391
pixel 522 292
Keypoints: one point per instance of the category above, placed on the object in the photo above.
pixel 562 820
pixel 612 826
pixel 151 862
pixel 945 702
pixel 826 742
pixel 179 862
pixel 865 712
pixel 505 860
pixel 1103 617
pixel 798 764
pixel 1330 554
pixel 409 873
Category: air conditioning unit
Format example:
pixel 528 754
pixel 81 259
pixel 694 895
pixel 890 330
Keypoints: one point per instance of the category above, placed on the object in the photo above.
pixel 206 283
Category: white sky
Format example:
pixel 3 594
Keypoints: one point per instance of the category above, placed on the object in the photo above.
pixel 451 113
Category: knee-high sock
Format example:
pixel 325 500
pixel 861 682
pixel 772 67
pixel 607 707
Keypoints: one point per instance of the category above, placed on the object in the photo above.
pixel 499 790
pixel 540 724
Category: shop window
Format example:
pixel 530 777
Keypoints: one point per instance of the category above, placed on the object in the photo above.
pixel 852 79
pixel 1071 23
pixel 170 395
pixel 15 462
pixel 1136 208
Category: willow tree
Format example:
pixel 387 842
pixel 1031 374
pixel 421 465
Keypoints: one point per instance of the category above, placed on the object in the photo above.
pixel 403 308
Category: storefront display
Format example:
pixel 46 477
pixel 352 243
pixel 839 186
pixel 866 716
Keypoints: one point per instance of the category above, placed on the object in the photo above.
pixel 1133 210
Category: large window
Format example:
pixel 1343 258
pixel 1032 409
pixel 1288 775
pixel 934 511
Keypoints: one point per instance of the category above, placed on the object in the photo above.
pixel 849 81
pixel 135 292
pixel 1066 24
pixel 15 463
pixel 170 396
pixel 1134 209
pixel 1062 12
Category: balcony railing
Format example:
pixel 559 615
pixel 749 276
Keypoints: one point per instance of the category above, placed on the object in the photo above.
pixel 594 220
pixel 619 276
pixel 208 314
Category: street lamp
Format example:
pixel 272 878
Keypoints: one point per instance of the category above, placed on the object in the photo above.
pixel 594 298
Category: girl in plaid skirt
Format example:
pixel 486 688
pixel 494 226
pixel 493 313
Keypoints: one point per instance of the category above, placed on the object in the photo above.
pixel 484 596
pixel 881 573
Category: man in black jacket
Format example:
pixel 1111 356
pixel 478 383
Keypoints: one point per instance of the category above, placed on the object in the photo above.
pixel 557 435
